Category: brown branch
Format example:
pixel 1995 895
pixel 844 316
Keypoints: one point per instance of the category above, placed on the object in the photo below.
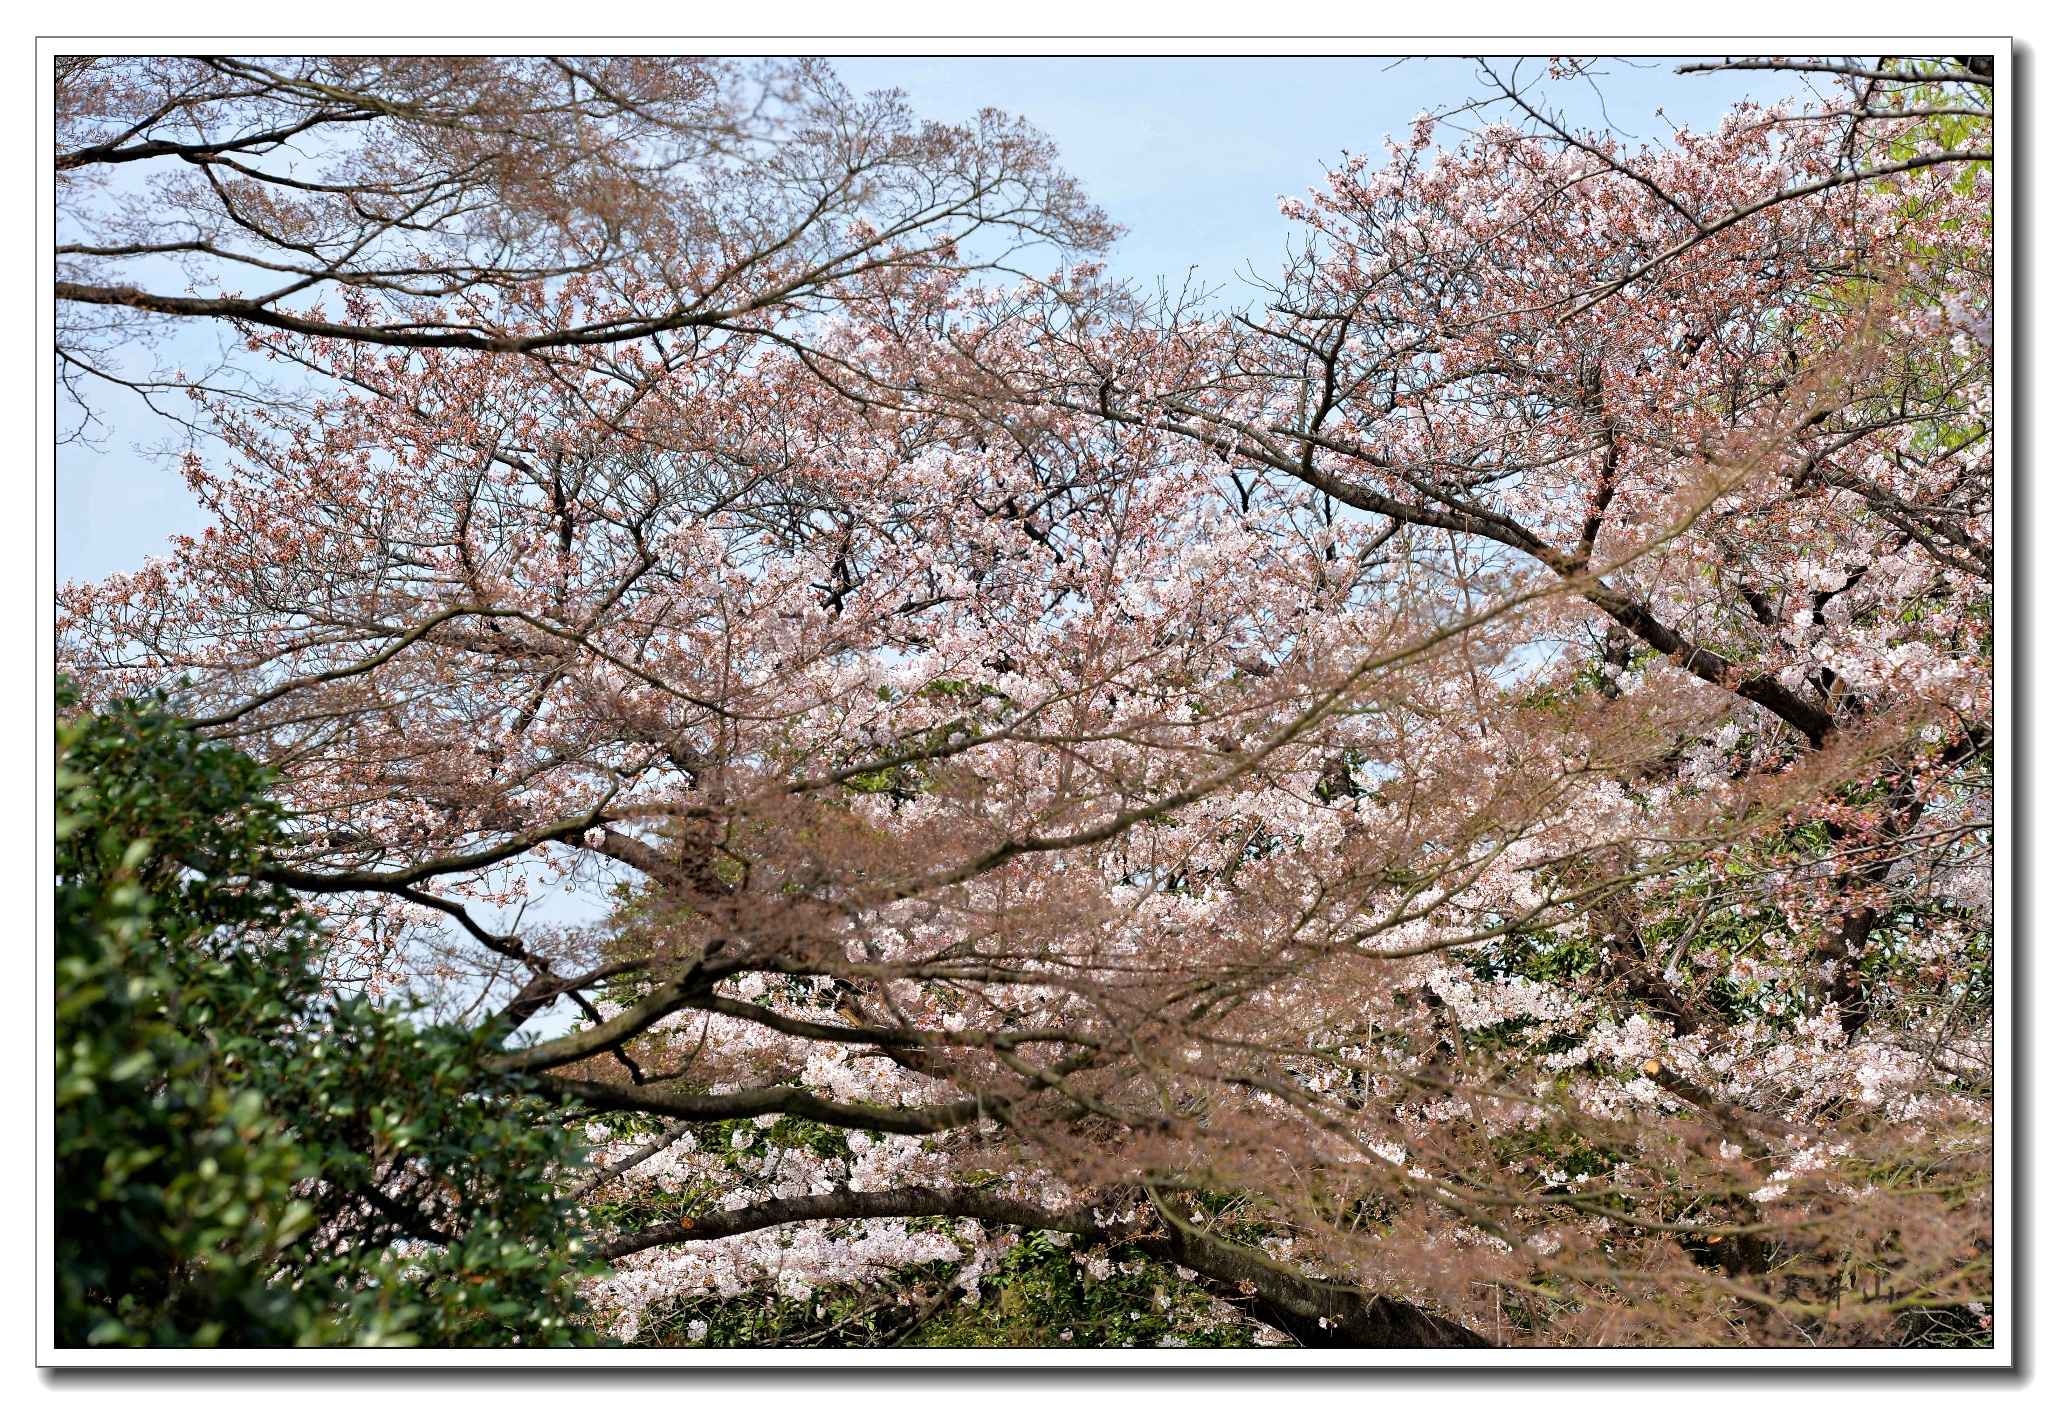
pixel 1603 291
pixel 1313 1312
pixel 1847 70
pixel 908 1203
pixel 784 1101
pixel 398 879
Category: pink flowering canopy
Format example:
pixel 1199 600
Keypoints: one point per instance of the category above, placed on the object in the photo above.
pixel 1467 784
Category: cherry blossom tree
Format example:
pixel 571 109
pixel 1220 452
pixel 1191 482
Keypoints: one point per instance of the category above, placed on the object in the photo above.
pixel 1450 812
pixel 710 199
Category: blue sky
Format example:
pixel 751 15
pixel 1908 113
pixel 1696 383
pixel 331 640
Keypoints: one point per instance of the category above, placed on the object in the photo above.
pixel 1190 154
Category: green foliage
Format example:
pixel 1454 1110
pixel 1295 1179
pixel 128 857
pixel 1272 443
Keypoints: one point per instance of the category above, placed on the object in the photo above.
pixel 1944 1328
pixel 1544 957
pixel 240 1161
pixel 882 1314
pixel 1044 1293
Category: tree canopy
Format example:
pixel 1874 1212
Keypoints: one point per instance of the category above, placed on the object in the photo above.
pixel 243 1160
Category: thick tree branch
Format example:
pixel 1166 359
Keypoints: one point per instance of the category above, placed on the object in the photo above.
pixel 1314 1312
pixel 399 879
pixel 784 1101
pixel 908 1203
pixel 643 1014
